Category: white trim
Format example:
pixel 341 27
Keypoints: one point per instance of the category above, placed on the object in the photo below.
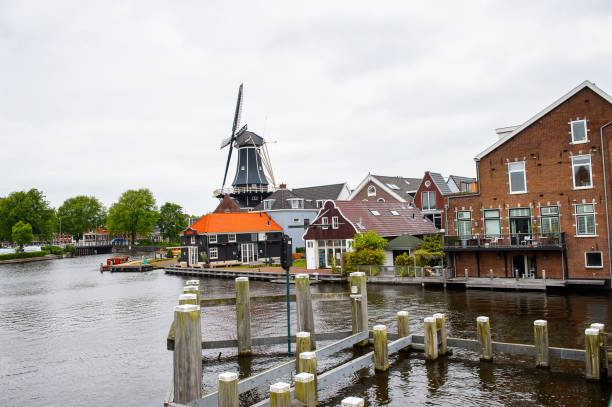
pixel 539 115
pixel 334 222
pixel 210 252
pixel 229 239
pixel 371 191
pixel 510 191
pixel 371 178
pixel 586 131
pixel 593 267
pixel 590 171
pixel 576 214
pixel 210 238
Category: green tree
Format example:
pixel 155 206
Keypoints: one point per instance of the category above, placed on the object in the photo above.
pixel 80 214
pixel 134 213
pixel 430 251
pixel 367 250
pixel 171 221
pixel 21 234
pixel 29 207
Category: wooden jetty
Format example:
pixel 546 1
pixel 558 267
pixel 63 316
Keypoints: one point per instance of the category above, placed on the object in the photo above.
pixel 185 340
pixel 253 275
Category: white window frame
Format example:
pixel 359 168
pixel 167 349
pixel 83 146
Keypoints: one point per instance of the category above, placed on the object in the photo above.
pixel 320 203
pixel 548 218
pixel 213 252
pixel 590 171
pixel 193 240
pixel 371 190
pixel 576 215
pixel 510 177
pixel 325 221
pixel 296 203
pixel 231 238
pixel 394 213
pixel 334 222
pixel 268 203
pixel 586 132
pixel 374 212
pixel 212 239
pixel 429 195
pixel 460 220
pixel 593 267
pixel 497 218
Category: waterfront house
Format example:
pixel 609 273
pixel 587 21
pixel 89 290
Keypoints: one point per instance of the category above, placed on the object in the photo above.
pixel 381 188
pixel 429 197
pixel 97 236
pixel 231 238
pixel 543 197
pixel 331 233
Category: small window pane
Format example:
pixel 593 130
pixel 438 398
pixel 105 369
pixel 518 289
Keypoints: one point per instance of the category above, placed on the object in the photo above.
pixel 464 215
pixel 586 208
pixel 593 259
pixel 517 181
pixel 549 210
pixel 516 166
pixel 519 212
pixel 492 227
pixel 578 131
pixel 491 213
pixel 582 171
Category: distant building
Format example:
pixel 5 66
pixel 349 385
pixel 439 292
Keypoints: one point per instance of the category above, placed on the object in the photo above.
pixel 95 237
pixel 462 184
pixel 317 195
pixel 381 188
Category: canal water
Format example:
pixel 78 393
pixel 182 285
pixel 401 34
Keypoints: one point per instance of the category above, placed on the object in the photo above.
pixel 70 336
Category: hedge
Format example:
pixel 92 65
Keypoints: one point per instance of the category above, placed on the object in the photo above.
pixel 12 256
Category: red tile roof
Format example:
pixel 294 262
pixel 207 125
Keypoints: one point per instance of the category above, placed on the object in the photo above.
pixel 235 222
pixel 408 221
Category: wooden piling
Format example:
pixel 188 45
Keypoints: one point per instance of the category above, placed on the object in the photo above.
pixel 358 280
pixel 381 349
pixel 305 390
pixel 228 390
pixel 280 395
pixel 308 364
pixel 352 402
pixel 243 316
pixel 591 337
pixel 603 349
pixel 187 353
pixel 484 338
pixel 540 333
pixel 188 299
pixel 403 324
pixel 356 319
pixel 192 289
pixel 303 306
pixel 192 282
pixel 302 344
pixel 441 328
pixel 431 338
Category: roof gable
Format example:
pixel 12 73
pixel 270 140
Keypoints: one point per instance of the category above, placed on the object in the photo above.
pixel 280 200
pixel 227 204
pixel 320 192
pixel 398 187
pixel 235 222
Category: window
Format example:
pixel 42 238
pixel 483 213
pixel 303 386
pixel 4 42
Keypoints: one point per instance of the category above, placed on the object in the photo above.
pixel 593 260
pixel 465 187
pixel 334 222
pixel 381 199
pixel 436 219
pixel 310 244
pixel 581 171
pixel 394 213
pixel 371 190
pixel 262 236
pixel 579 131
pixel 392 186
pixel 464 220
pixel 320 203
pixel 516 176
pixel 242 168
pixel 296 203
pixel 193 240
pixel 492 222
pixel 325 221
pixel 549 219
pixel 428 200
pixel 214 252
pixel 268 204
pixel 374 212
pixel 306 222
pixel 212 239
pixel 231 237
pixel 585 220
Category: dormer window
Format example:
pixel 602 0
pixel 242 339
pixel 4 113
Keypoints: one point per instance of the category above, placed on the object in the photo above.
pixel 394 213
pixel 320 203
pixel 579 131
pixel 268 203
pixel 374 212
pixel 392 186
pixel 371 190
pixel 296 203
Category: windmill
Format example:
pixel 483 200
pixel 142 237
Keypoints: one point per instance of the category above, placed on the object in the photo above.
pixel 250 184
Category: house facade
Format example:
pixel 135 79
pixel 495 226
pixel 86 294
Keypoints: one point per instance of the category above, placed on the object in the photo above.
pixel 429 198
pixel 381 188
pixel 543 197
pixel 336 224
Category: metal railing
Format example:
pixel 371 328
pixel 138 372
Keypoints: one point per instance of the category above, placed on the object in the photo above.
pixel 407 271
pixel 241 190
pixel 93 244
pixel 556 240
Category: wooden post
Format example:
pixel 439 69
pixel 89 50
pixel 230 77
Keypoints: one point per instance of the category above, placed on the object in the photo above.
pixel 187 354
pixel 441 328
pixel 192 289
pixel 540 333
pixel 243 316
pixel 188 299
pixel 280 395
pixel 308 364
pixel 381 349
pixel 603 348
pixel 484 338
pixel 352 402
pixel 302 344
pixel 356 319
pixel 228 390
pixel 303 306
pixel 192 282
pixel 591 337
pixel 403 324
pixel 431 338
pixel 305 390
pixel 358 279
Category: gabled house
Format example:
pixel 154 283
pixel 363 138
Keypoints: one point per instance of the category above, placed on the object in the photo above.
pixel 292 212
pixel 331 233
pixel 318 194
pixel 429 197
pixel 381 188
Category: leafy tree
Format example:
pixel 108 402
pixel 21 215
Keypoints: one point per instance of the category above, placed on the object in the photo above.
pixel 169 254
pixel 22 234
pixel 171 221
pixel 29 207
pixel 367 250
pixel 134 213
pixel 80 214
pixel 430 252
pixel 369 240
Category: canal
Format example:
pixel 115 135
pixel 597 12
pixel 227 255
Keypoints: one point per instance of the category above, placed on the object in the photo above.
pixel 70 335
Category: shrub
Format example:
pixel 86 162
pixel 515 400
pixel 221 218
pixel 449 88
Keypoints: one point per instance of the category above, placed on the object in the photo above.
pixel 54 250
pixel 169 254
pixel 203 257
pixel 364 257
pixel 69 249
pixel 300 250
pixel 12 256
pixel 404 260
pixel 297 255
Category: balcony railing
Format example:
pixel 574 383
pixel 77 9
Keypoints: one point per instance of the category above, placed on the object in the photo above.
pixel 243 190
pixel 517 240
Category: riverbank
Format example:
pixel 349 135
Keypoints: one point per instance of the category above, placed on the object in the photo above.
pixel 33 259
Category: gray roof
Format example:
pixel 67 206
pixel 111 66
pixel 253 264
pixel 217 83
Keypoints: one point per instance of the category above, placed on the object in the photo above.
pixel 404 185
pixel 248 138
pixel 457 179
pixel 280 197
pixel 438 179
pixel 319 193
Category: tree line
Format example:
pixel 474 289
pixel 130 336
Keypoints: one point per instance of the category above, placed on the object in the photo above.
pixel 25 215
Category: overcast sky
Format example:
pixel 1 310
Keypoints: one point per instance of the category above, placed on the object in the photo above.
pixel 100 97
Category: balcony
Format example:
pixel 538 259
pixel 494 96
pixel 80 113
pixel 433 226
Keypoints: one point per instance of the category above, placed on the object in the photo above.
pixel 512 242
pixel 243 190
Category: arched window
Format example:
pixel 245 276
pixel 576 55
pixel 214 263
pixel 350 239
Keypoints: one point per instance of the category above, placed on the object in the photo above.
pixel 381 199
pixel 371 190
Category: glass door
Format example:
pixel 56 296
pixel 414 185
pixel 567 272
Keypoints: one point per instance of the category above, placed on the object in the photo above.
pixel 520 225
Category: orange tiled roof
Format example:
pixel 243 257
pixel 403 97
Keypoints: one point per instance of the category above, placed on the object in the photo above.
pixel 235 222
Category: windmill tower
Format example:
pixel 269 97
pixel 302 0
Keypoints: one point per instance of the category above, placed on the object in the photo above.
pixel 251 184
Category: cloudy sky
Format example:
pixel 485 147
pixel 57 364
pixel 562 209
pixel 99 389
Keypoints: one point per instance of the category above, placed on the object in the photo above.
pixel 97 97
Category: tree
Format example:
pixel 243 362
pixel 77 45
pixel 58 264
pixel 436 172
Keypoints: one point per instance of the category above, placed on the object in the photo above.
pixel 80 214
pixel 21 234
pixel 430 251
pixel 29 207
pixel 134 213
pixel 171 221
pixel 367 250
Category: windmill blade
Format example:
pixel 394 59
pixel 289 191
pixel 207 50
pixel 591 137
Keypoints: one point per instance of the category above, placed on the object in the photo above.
pixel 225 142
pixel 233 136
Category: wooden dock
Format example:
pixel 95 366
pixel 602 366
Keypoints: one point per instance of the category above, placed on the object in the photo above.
pixel 252 275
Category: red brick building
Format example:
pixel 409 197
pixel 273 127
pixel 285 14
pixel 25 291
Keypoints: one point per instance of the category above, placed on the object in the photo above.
pixel 429 198
pixel 544 196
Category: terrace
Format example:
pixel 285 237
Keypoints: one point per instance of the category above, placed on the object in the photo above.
pixel 511 242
